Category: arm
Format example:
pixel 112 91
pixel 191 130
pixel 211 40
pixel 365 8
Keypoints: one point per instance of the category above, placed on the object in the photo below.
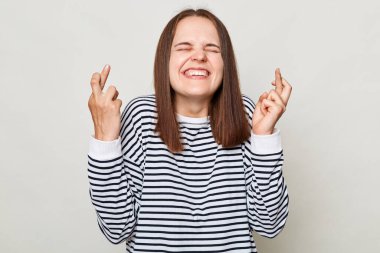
pixel 112 191
pixel 267 192
pixel 266 189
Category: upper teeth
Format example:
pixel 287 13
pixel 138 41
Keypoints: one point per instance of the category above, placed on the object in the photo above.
pixel 191 72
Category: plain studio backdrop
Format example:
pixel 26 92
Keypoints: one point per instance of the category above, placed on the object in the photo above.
pixel 328 50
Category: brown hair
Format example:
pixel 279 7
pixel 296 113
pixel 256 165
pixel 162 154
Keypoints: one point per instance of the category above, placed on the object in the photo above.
pixel 228 120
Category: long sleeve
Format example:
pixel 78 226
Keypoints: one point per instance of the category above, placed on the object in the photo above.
pixel 111 169
pixel 267 195
pixel 267 192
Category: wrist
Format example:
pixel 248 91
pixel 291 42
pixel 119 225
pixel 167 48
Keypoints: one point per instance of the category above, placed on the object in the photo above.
pixel 266 144
pixel 103 137
pixel 104 150
pixel 261 132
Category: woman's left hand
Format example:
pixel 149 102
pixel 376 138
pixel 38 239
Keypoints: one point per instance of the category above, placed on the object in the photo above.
pixel 271 106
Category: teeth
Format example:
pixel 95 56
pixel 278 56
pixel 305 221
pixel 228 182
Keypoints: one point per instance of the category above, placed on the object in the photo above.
pixel 196 72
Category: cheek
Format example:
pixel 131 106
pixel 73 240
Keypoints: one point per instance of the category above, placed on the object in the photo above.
pixel 219 76
pixel 217 62
pixel 219 66
pixel 175 66
pixel 172 71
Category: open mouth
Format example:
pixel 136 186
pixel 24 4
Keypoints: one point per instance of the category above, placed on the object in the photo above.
pixel 196 73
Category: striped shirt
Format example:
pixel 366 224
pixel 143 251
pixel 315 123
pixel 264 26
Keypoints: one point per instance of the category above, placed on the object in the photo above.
pixel 204 199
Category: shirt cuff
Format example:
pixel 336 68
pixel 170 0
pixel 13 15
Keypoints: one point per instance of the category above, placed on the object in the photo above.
pixel 104 150
pixel 266 144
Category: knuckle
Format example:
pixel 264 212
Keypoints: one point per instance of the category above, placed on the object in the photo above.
pixel 118 102
pixel 102 102
pixel 92 104
pixel 113 106
pixel 94 78
pixel 95 75
pixel 102 106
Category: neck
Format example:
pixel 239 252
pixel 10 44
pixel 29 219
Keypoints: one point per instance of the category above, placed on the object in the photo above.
pixel 191 107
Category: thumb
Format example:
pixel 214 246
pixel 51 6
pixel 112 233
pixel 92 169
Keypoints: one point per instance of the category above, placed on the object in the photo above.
pixel 259 103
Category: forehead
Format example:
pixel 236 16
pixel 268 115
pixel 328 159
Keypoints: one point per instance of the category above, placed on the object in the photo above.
pixel 196 29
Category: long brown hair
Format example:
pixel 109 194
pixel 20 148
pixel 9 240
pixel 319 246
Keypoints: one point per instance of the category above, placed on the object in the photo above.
pixel 228 120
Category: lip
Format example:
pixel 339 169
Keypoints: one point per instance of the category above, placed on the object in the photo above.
pixel 196 77
pixel 198 68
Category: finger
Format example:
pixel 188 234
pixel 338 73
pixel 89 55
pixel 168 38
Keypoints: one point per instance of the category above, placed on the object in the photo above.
pixel 271 105
pixel 261 98
pixel 286 91
pixel 95 84
pixel 287 88
pixel 115 96
pixel 111 91
pixel 118 103
pixel 278 81
pixel 273 95
pixel 104 75
pixel 264 95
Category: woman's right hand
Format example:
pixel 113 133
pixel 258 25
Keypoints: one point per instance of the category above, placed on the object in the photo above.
pixel 104 107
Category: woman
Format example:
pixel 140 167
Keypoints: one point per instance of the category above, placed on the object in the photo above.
pixel 196 167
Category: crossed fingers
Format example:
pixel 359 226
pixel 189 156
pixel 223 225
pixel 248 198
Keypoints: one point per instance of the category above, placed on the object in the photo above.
pixel 98 81
pixel 282 91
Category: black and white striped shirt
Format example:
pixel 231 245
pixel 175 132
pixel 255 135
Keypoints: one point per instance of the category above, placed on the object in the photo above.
pixel 204 199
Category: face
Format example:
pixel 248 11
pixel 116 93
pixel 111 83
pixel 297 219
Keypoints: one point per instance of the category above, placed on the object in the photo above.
pixel 196 64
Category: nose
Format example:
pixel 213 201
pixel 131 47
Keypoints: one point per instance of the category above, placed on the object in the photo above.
pixel 199 55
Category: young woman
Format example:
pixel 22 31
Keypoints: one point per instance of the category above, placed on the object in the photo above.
pixel 197 166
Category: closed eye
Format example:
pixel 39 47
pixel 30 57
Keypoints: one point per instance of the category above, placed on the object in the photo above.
pixel 214 51
pixel 213 48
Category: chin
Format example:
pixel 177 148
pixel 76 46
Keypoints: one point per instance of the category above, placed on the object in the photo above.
pixel 196 94
pixel 191 90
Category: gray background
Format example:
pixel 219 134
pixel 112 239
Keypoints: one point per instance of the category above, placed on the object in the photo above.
pixel 328 50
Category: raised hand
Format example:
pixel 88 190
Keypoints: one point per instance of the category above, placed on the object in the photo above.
pixel 271 106
pixel 104 107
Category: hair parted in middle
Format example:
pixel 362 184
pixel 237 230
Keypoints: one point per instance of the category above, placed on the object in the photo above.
pixel 228 120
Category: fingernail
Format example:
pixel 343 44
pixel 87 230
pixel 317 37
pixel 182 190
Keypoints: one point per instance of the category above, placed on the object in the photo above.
pixel 106 67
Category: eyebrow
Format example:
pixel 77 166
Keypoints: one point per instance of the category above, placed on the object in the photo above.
pixel 189 44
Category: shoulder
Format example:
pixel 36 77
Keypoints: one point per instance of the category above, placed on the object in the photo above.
pixel 144 104
pixel 139 109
